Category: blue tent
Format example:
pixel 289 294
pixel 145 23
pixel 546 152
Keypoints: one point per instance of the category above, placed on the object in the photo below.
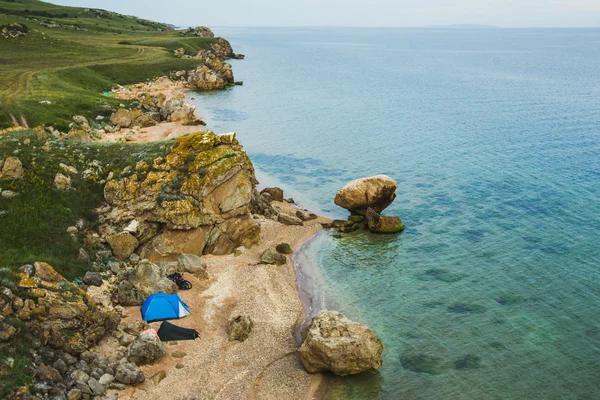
pixel 162 306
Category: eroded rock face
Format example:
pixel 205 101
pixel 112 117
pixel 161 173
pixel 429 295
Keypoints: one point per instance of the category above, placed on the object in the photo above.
pixel 11 168
pixel 334 343
pixel 202 187
pixel 382 224
pixel 377 192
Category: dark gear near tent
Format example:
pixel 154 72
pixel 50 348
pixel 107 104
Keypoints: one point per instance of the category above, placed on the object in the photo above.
pixel 168 332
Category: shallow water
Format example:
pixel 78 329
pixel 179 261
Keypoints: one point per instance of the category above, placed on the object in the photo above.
pixel 492 292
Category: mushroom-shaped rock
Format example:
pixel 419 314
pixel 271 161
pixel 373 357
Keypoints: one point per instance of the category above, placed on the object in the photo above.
pixel 334 343
pixel 376 192
pixel 381 224
pixel 146 348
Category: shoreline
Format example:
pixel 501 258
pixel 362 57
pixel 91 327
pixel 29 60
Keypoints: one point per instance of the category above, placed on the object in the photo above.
pixel 280 375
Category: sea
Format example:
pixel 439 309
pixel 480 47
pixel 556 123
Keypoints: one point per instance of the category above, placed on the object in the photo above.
pixel 493 135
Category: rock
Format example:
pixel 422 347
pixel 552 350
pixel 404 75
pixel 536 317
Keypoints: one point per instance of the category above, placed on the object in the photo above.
pixel 7 332
pixel 381 224
pixel 334 343
pixel 201 31
pixel 11 168
pixel 62 182
pixel 122 244
pixel 213 74
pixel 287 219
pixel 146 278
pixel 239 328
pixel 74 394
pixel 129 295
pixel 158 377
pixel 68 169
pixel 146 349
pixel 61 366
pixel 83 256
pixel 92 278
pixel 271 256
pixel 305 215
pixel 124 118
pixel 233 233
pixel 178 354
pixel 47 374
pixel 284 248
pixel 129 374
pixel 261 205
pixel 80 376
pixel 275 193
pixel 376 192
pixel 106 379
pixel 9 194
pixel 192 264
pixel 97 388
pixel 179 365
pixel 178 109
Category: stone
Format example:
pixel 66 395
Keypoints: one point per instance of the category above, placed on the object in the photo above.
pixel 122 244
pixel 383 224
pixel 231 234
pixel 178 354
pixel 92 278
pixel 147 278
pixel 179 365
pixel 11 168
pixel 45 272
pixel 97 388
pixel 147 348
pixel 271 256
pixel 68 169
pixel 193 264
pixel 74 394
pixel 128 294
pixel 377 192
pixel 305 215
pixel 106 379
pixel 275 193
pixel 334 343
pixel 158 377
pixel 261 205
pixel 47 374
pixel 287 219
pixel 62 182
pixel 80 376
pixel 7 332
pixel 239 328
pixel 284 248
pixel 9 194
pixel 129 374
pixel 82 255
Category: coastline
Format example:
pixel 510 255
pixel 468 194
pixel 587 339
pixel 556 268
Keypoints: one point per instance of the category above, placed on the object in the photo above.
pixel 275 297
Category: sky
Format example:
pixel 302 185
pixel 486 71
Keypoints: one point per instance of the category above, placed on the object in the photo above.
pixel 371 13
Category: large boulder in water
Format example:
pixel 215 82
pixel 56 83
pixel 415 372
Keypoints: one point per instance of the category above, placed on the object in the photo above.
pixel 377 192
pixel 334 343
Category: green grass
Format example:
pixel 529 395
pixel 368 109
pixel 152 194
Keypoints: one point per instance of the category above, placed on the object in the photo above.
pixel 71 66
pixel 34 228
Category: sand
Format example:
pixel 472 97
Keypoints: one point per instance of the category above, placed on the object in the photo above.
pixel 266 365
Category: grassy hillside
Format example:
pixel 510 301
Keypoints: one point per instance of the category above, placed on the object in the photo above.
pixel 71 55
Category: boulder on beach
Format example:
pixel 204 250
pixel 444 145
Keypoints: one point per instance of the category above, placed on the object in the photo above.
pixel 377 192
pixel 382 224
pixel 239 328
pixel 334 343
pixel 146 349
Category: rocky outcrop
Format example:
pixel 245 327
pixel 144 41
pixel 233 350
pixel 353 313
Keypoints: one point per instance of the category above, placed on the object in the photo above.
pixel 214 74
pixel 377 192
pixel 11 168
pixel 381 224
pixel 56 312
pixel 200 31
pixel 202 187
pixel 334 343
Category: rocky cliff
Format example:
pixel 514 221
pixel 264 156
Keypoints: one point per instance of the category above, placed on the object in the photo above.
pixel 195 200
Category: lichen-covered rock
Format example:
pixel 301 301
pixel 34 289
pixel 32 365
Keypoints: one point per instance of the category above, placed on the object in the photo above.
pixel 11 168
pixel 146 278
pixel 169 244
pixel 382 224
pixel 213 74
pixel 62 182
pixel 146 349
pixel 122 244
pixel 271 256
pixel 334 343
pixel 239 328
pixel 129 374
pixel 62 316
pixel 377 192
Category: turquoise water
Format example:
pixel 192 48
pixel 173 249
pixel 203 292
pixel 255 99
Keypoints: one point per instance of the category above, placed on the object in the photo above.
pixel 493 290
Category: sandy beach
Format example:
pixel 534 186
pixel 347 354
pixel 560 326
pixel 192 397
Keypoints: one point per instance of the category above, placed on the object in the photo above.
pixel 266 365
